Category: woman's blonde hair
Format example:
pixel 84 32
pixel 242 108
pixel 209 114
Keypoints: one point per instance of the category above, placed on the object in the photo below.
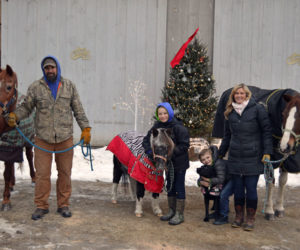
pixel 231 98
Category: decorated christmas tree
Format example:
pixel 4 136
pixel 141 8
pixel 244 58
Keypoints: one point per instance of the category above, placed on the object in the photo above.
pixel 191 89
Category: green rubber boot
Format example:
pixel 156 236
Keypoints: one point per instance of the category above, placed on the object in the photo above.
pixel 178 217
pixel 172 208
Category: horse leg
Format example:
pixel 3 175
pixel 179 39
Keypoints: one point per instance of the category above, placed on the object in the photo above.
pixel 132 189
pixel 140 192
pixel 155 205
pixel 6 205
pixel 12 179
pixel 279 209
pixel 269 212
pixel 117 174
pixel 29 156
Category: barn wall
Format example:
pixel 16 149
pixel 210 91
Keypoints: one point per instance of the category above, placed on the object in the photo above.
pixel 183 19
pixel 253 43
pixel 102 45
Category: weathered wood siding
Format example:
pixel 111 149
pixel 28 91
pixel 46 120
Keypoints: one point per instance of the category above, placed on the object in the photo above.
pixel 253 40
pixel 125 40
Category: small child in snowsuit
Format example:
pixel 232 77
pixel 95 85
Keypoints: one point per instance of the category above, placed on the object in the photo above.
pixel 212 176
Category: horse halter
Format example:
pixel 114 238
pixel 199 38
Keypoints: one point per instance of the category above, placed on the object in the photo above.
pixel 297 137
pixel 5 108
pixel 159 156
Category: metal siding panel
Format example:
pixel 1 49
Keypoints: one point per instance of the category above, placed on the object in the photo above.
pixel 126 40
pixel 252 40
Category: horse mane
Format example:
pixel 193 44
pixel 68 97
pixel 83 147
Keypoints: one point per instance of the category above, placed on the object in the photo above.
pixel 171 147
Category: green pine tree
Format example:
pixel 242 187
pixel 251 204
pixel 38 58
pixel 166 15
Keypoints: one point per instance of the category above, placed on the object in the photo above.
pixel 190 90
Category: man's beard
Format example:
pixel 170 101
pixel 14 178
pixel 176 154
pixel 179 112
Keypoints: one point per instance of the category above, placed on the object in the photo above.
pixel 51 77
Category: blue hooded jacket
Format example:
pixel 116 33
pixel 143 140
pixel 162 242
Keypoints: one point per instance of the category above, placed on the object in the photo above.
pixel 52 85
pixel 168 107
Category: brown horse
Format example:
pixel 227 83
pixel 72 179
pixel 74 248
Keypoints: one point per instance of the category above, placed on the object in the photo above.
pixel 289 149
pixel 8 95
pixel 8 102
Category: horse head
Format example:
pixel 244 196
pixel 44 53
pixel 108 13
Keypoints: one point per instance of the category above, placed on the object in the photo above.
pixel 290 124
pixel 8 93
pixel 162 147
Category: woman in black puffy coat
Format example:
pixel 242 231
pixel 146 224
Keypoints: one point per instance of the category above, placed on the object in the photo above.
pixel 248 140
pixel 180 159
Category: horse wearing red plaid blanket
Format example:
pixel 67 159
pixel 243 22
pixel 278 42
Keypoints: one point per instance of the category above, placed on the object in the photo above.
pixel 11 143
pixel 147 175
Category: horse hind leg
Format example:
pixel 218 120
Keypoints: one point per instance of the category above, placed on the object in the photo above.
pixel 279 209
pixel 155 205
pixel 6 205
pixel 114 193
pixel 12 179
pixel 117 174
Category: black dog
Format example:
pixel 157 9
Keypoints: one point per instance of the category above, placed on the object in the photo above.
pixel 209 172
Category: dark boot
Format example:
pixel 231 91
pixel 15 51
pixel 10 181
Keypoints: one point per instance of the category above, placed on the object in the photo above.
pixel 250 219
pixel 39 213
pixel 239 216
pixel 172 209
pixel 65 212
pixel 222 219
pixel 213 215
pixel 178 217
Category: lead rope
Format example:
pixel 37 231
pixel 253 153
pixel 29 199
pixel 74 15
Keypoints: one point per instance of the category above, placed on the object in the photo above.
pixel 269 176
pixel 85 154
pixel 171 173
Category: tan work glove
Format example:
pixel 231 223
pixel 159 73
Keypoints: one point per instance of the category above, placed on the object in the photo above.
pixel 265 158
pixel 11 119
pixel 86 135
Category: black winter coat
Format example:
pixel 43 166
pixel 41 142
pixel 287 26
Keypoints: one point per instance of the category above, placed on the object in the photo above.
pixel 181 139
pixel 247 137
pixel 218 168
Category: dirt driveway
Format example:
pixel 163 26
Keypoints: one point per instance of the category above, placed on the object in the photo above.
pixel 99 224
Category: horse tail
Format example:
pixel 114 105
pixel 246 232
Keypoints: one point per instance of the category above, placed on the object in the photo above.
pixel 120 173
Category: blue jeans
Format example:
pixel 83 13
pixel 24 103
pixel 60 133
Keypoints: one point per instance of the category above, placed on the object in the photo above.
pixel 226 192
pixel 178 185
pixel 245 188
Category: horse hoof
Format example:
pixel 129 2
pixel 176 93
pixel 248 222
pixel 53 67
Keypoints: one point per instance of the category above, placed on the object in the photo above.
pixel 269 217
pixel 114 201
pixel 6 207
pixel 279 214
pixel 159 215
pixel 138 215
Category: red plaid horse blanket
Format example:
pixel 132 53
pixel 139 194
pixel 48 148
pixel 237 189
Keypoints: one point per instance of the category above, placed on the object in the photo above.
pixel 127 147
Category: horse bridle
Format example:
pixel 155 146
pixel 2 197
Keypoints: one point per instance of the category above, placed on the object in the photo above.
pixel 5 108
pixel 297 137
pixel 160 156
